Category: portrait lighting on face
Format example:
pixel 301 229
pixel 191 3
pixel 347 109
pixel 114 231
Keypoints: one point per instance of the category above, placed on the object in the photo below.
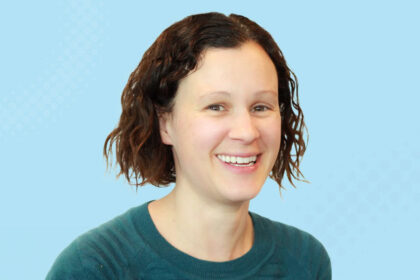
pixel 225 127
pixel 213 108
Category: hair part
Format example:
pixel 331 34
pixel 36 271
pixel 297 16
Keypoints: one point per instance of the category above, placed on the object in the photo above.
pixel 152 86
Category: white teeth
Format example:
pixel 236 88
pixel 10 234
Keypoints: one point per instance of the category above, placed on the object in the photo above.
pixel 232 159
pixel 242 165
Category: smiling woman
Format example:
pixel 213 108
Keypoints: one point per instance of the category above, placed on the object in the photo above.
pixel 212 107
pixel 236 81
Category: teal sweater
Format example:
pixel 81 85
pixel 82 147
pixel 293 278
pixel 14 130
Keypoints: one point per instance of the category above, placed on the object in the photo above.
pixel 130 247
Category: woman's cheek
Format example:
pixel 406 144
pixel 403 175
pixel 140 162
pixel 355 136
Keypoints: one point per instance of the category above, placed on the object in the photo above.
pixel 209 132
pixel 273 131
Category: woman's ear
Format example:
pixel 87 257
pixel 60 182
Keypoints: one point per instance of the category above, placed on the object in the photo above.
pixel 165 128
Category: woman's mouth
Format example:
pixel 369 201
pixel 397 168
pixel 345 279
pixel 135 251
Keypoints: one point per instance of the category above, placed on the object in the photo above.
pixel 240 164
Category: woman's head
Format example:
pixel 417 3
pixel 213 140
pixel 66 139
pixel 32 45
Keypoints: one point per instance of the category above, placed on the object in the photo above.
pixel 152 87
pixel 225 125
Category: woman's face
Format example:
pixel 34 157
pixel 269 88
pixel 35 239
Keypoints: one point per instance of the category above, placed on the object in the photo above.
pixel 229 106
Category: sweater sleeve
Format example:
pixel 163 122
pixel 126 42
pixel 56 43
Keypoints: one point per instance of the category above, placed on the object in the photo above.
pixel 324 272
pixel 70 264
pixel 304 255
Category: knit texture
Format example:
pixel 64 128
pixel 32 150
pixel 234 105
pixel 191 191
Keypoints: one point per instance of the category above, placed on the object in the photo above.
pixel 130 247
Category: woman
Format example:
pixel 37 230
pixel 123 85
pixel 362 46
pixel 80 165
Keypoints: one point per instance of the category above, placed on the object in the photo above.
pixel 211 107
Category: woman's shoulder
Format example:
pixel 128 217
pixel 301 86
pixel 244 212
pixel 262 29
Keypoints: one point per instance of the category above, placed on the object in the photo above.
pixel 298 248
pixel 289 236
pixel 103 252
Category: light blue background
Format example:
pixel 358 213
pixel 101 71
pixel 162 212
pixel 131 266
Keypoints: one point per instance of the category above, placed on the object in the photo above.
pixel 64 65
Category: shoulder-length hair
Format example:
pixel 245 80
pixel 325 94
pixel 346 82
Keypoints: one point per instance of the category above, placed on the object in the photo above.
pixel 152 86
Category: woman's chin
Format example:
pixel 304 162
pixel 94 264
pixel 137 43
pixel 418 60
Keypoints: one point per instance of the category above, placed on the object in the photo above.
pixel 241 193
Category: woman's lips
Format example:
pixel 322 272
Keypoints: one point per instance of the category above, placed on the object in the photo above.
pixel 241 169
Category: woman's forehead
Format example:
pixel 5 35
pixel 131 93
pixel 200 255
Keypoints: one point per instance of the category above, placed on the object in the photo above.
pixel 247 68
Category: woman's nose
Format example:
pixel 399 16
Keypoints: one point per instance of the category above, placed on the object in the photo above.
pixel 244 127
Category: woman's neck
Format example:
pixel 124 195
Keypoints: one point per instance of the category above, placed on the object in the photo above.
pixel 209 232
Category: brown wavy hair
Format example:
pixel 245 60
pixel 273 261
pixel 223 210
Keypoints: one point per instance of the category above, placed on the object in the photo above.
pixel 152 86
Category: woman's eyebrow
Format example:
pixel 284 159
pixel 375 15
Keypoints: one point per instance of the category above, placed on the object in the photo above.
pixel 214 93
pixel 226 93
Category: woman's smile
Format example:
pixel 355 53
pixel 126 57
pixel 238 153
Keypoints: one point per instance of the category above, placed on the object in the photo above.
pixel 240 165
pixel 225 127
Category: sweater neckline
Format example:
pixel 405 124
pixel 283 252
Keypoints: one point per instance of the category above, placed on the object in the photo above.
pixel 262 248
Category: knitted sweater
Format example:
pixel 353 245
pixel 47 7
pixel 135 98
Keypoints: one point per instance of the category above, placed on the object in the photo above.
pixel 130 247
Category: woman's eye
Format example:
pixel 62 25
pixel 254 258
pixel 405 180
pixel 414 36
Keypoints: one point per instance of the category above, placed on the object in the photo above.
pixel 215 107
pixel 261 108
pixel 219 107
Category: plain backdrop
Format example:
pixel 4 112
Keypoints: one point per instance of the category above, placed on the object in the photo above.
pixel 63 67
